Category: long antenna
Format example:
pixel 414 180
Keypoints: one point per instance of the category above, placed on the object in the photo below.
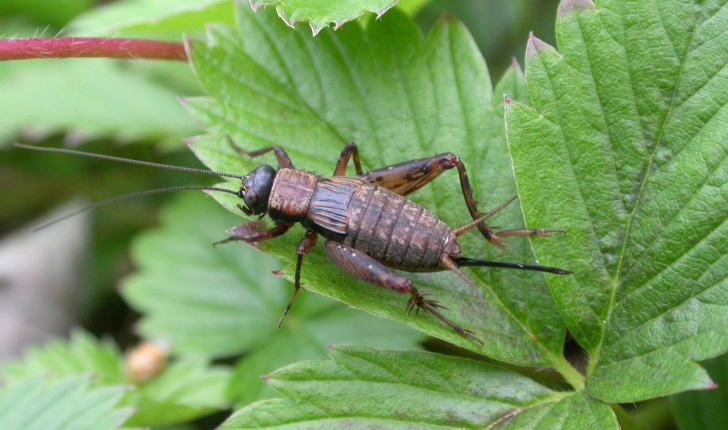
pixel 138 193
pixel 126 160
pixel 126 196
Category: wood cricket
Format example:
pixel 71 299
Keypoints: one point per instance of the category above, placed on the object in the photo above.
pixel 369 225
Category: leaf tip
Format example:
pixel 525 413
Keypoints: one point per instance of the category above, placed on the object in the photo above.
pixel 265 378
pixel 316 28
pixel 277 273
pixel 188 43
pixel 255 5
pixel 568 6
pixel 514 64
pixel 75 138
pixel 530 48
pixel 281 14
pixel 711 385
pixel 385 9
pixel 447 18
pixel 536 46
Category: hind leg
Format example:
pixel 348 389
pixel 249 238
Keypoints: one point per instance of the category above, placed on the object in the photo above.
pixel 367 269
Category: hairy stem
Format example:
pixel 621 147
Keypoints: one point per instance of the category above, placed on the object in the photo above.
pixel 84 47
pixel 568 372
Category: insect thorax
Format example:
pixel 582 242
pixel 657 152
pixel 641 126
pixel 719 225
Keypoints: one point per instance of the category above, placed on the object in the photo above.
pixel 291 195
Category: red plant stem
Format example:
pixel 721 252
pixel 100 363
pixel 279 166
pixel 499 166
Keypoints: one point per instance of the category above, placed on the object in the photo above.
pixel 84 47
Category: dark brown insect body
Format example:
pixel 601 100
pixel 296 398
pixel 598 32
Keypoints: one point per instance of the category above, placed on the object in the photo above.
pixel 369 224
pixel 383 225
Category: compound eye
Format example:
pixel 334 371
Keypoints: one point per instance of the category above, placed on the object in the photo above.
pixel 251 199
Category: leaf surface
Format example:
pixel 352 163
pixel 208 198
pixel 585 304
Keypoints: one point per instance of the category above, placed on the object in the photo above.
pixel 630 121
pixel 368 389
pixel 67 404
pixel 399 97
pixel 575 411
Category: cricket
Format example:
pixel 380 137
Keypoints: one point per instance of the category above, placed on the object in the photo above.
pixel 369 225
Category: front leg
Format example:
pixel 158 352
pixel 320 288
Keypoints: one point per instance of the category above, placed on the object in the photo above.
pixel 283 159
pixel 365 268
pixel 254 231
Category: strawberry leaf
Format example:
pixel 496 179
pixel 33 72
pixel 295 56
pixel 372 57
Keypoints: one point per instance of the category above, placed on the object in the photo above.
pixel 68 404
pixel 399 97
pixel 370 389
pixel 629 116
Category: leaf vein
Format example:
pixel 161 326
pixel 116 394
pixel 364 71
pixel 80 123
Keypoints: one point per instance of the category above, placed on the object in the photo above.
pixel 672 219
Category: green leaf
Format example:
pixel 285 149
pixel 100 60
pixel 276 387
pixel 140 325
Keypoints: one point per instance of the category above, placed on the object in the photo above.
pixel 185 390
pixel 630 119
pixel 364 388
pixel 575 411
pixel 399 97
pixel 82 354
pixel 88 99
pixel 321 13
pixel 168 19
pixel 70 403
pixel 705 410
pixel 223 301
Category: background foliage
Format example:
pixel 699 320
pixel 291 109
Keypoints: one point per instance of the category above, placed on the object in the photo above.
pixel 618 141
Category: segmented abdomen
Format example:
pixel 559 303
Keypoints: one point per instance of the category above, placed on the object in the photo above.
pixel 394 230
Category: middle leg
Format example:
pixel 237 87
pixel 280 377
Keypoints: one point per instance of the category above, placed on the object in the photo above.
pixel 254 231
pixel 304 247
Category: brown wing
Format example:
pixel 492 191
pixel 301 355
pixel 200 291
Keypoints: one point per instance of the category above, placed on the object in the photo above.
pixel 328 208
